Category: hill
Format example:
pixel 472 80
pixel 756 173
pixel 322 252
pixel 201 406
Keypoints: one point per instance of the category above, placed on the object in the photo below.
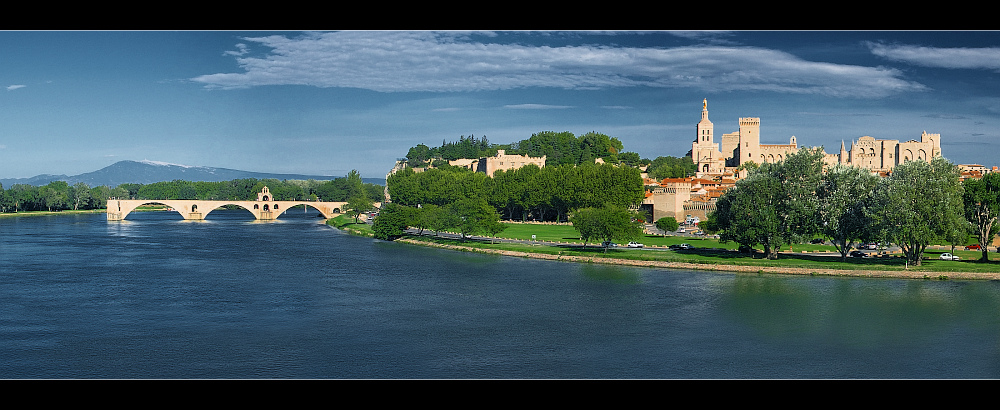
pixel 147 172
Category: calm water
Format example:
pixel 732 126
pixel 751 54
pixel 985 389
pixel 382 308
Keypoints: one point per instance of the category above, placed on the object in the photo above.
pixel 158 297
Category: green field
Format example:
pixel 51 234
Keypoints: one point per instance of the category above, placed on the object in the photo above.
pixel 710 251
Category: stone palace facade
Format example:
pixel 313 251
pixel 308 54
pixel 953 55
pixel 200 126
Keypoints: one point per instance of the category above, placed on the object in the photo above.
pixel 737 148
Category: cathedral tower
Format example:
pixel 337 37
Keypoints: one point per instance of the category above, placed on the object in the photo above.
pixel 704 150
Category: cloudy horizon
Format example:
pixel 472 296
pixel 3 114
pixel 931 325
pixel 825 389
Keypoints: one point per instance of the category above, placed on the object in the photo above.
pixel 325 103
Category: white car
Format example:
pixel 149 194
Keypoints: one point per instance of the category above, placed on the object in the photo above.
pixel 635 245
pixel 949 257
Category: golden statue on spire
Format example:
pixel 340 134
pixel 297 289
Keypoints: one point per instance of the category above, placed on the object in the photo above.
pixel 704 104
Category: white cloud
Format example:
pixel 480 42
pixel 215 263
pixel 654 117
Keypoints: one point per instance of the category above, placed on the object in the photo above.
pixel 970 58
pixel 442 62
pixel 15 86
pixel 536 107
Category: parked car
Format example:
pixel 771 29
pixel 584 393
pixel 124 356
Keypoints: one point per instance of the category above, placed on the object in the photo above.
pixel 635 245
pixel 681 230
pixel 681 246
pixel 817 241
pixel 973 247
pixel 858 254
pixel 609 244
pixel 871 246
pixel 949 257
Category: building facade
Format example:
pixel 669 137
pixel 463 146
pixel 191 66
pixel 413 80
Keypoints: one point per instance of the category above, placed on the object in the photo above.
pixel 738 148
pixel 501 161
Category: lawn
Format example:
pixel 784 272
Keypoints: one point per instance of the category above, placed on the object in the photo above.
pixel 346 223
pixel 710 251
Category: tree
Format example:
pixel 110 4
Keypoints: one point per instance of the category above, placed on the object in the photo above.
pixel 6 201
pixel 473 215
pixel 358 205
pixel 392 221
pixel 80 195
pixel 710 225
pixel 55 195
pixel 982 208
pixel 608 223
pixel 667 224
pixel 917 205
pixel 774 205
pixel 842 195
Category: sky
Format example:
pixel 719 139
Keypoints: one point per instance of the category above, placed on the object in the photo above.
pixel 326 103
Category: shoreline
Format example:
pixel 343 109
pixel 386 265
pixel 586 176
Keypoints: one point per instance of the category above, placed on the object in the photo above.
pixel 48 213
pixel 720 268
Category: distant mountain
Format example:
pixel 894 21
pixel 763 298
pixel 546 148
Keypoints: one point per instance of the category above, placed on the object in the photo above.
pixel 148 172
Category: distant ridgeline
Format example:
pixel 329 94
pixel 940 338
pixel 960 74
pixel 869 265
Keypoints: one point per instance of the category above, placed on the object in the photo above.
pixel 558 148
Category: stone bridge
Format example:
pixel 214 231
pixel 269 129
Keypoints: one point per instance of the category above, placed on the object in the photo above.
pixel 264 208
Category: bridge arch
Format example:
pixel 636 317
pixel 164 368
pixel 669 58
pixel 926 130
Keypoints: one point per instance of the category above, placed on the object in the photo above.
pixel 118 209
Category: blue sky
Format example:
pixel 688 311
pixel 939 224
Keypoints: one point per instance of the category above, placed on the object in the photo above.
pixel 325 103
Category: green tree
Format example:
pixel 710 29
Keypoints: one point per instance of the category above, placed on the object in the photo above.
pixel 473 215
pixel 982 207
pixel 80 195
pixel 667 224
pixel 917 205
pixel 842 194
pixel 774 205
pixel 671 167
pixel 418 155
pixel 55 195
pixel 710 225
pixel 6 201
pixel 440 218
pixel 608 223
pixel 358 205
pixel 392 221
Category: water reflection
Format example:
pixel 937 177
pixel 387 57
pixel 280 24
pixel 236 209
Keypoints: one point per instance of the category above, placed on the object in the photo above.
pixel 859 313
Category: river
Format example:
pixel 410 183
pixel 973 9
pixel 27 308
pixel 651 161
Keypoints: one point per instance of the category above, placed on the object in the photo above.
pixel 157 297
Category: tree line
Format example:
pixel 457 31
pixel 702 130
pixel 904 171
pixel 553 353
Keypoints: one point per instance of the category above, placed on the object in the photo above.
pixel 59 195
pixel 919 203
pixel 559 148
pixel 454 198
pixel 529 192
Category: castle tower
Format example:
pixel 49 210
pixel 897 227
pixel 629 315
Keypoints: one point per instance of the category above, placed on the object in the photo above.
pixel 749 147
pixel 843 153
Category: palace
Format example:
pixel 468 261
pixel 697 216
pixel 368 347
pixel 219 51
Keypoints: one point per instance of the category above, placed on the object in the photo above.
pixel 719 162
pixel 743 146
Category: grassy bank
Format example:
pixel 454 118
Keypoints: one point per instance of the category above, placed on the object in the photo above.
pixel 346 223
pixel 45 213
pixel 561 242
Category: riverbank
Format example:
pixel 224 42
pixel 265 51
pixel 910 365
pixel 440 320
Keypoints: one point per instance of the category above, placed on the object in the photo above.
pixel 715 267
pixel 46 213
